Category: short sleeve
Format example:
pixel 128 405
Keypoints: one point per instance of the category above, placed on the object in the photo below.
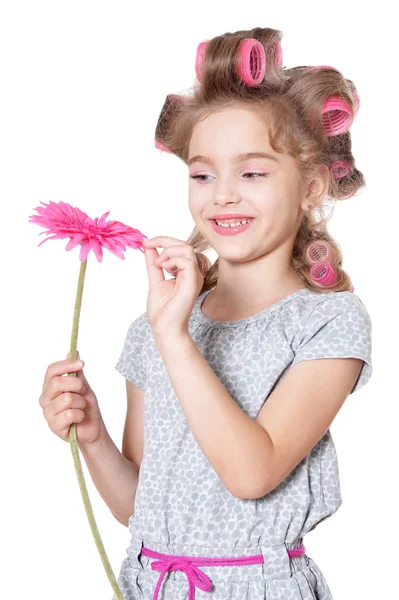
pixel 130 363
pixel 339 326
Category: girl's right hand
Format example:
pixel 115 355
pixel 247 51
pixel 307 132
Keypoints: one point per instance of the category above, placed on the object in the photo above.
pixel 69 399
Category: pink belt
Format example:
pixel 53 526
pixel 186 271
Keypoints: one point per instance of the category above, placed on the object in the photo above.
pixel 171 562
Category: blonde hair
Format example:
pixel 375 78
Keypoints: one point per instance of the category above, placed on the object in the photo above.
pixel 292 99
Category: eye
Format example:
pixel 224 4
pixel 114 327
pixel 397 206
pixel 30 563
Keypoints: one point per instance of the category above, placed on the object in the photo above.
pixel 198 176
pixel 258 175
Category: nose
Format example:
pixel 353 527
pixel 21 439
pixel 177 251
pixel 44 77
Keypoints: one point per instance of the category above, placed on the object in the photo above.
pixel 225 192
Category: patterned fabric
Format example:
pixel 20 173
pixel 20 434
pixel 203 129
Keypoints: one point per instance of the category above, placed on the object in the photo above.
pixel 182 507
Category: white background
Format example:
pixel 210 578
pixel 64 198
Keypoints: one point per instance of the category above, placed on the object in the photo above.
pixel 82 85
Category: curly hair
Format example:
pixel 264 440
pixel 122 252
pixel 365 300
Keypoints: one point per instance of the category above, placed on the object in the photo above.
pixel 293 100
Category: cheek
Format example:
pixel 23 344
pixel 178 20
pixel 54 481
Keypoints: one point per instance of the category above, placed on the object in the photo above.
pixel 197 204
pixel 197 211
pixel 277 213
pixel 269 206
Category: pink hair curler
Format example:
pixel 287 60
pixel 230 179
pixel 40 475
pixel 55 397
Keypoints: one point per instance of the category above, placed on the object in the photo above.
pixel 320 254
pixel 320 251
pixel 278 56
pixel 251 62
pixel 162 147
pixel 323 273
pixel 355 95
pixel 357 102
pixel 199 58
pixel 340 169
pixel 337 116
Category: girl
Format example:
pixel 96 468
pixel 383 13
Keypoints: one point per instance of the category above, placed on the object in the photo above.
pixel 238 463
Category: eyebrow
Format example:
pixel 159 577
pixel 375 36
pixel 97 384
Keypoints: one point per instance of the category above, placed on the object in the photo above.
pixel 238 158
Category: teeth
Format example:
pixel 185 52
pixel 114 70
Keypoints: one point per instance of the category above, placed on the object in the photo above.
pixel 226 223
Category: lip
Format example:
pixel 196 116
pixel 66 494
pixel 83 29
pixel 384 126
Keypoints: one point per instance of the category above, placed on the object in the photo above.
pixel 231 230
pixel 230 216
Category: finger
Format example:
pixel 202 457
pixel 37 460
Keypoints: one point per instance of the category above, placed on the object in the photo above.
pixel 203 261
pixel 80 375
pixel 180 263
pixel 155 273
pixel 170 266
pixel 55 382
pixel 185 250
pixel 66 400
pixel 61 367
pixel 79 371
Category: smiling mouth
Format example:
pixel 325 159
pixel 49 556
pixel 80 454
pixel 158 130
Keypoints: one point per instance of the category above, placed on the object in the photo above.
pixel 229 224
pixel 230 230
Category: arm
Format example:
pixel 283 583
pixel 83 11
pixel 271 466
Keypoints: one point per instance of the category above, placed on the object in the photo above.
pixel 299 412
pixel 234 444
pixel 251 457
pixel 114 476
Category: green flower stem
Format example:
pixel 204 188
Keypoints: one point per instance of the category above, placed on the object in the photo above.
pixel 74 445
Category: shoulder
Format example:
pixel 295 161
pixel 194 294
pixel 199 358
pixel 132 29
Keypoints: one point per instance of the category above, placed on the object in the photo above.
pixel 140 328
pixel 327 303
pixel 334 315
pixel 338 325
pixel 334 304
pixel 314 310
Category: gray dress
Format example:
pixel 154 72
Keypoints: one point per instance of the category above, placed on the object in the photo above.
pixel 181 506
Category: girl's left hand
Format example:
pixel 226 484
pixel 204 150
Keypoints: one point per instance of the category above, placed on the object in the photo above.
pixel 171 301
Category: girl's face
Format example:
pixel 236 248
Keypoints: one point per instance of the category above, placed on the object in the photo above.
pixel 266 188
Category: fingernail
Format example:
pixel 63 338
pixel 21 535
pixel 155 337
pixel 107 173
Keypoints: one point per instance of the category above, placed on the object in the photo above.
pixel 79 363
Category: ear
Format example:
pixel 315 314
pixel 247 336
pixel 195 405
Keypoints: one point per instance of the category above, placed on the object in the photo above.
pixel 316 188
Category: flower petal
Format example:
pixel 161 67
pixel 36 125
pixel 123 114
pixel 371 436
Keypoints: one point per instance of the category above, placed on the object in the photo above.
pixel 84 251
pixel 96 247
pixel 74 241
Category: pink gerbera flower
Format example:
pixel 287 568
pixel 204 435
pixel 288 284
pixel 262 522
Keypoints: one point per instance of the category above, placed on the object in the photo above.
pixel 64 220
